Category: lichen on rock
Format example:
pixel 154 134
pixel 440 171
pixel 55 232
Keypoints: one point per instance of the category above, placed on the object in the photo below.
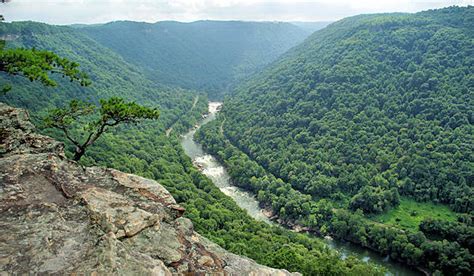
pixel 58 217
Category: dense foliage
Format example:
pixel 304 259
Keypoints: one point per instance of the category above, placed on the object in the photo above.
pixel 324 216
pixel 145 149
pixel 372 199
pixel 204 55
pixel 37 65
pixel 369 109
pixel 460 232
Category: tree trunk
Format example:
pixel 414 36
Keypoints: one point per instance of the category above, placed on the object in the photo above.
pixel 79 153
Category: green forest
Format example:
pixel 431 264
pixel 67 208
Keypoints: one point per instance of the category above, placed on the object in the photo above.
pixel 210 56
pixel 365 132
pixel 145 149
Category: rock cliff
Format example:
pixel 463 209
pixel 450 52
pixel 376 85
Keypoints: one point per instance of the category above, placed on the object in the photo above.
pixel 58 217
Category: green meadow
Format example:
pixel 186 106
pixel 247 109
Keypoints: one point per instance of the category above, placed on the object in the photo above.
pixel 410 213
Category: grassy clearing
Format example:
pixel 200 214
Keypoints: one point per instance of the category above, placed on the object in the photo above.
pixel 410 213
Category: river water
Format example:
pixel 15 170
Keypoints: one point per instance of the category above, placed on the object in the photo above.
pixel 215 171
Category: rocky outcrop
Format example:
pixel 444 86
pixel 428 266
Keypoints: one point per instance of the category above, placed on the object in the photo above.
pixel 58 217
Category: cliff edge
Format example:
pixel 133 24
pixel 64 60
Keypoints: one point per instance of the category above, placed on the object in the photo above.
pixel 58 217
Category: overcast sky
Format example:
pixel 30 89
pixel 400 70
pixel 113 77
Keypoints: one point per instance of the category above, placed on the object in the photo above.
pixel 100 11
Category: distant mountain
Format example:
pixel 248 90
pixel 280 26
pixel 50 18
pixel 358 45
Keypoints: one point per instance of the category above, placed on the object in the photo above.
pixel 210 56
pixel 311 27
pixel 78 26
pixel 205 55
pixel 111 75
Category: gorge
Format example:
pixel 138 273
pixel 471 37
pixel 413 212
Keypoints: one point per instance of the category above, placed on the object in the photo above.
pixel 212 168
pixel 340 148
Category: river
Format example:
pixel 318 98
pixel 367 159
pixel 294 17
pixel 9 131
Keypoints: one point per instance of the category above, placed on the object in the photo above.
pixel 215 171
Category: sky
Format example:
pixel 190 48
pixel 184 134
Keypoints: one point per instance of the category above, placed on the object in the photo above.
pixel 100 11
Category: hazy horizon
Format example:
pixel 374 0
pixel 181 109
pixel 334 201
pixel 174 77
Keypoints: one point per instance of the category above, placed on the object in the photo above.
pixel 68 12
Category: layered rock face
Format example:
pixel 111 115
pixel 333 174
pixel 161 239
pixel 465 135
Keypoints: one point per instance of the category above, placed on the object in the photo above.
pixel 58 217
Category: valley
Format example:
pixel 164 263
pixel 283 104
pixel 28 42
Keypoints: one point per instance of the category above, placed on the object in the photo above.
pixel 214 170
pixel 325 148
pixel 331 143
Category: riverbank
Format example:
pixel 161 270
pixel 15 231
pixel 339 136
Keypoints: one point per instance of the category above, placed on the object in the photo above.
pixel 336 244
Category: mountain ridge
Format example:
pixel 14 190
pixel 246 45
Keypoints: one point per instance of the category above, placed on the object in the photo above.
pixel 201 55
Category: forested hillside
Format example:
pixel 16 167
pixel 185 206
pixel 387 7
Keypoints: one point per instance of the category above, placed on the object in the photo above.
pixel 109 73
pixel 365 131
pixel 146 150
pixel 209 56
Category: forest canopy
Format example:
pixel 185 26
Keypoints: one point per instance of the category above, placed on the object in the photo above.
pixel 371 110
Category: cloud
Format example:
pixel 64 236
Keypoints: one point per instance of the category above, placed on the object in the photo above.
pixel 99 11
